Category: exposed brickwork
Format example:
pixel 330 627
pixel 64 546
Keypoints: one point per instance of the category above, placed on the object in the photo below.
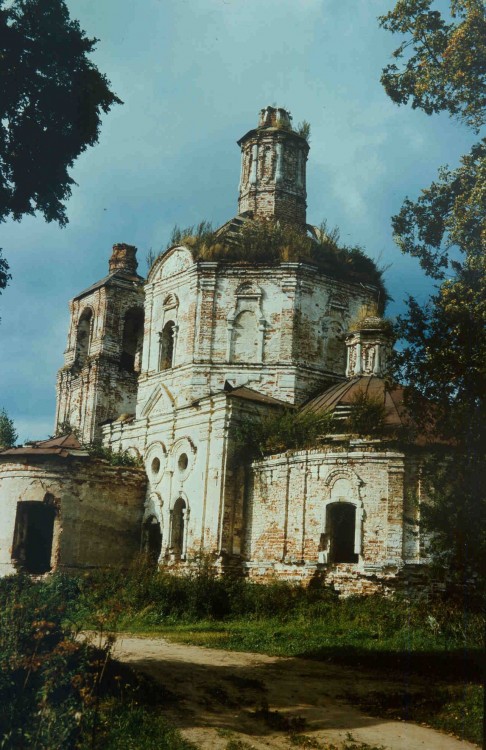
pixel 94 384
pixel 273 170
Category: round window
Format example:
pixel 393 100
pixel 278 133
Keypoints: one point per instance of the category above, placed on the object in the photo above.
pixel 183 462
pixel 155 465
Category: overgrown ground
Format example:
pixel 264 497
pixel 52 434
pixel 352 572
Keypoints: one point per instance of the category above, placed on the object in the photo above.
pixel 437 644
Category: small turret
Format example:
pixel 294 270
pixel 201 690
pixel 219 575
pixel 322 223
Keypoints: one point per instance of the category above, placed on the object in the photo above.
pixel 368 345
pixel 273 166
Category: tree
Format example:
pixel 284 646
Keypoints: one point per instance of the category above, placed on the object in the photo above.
pixel 4 274
pixel 51 101
pixel 444 356
pixel 446 65
pixel 8 433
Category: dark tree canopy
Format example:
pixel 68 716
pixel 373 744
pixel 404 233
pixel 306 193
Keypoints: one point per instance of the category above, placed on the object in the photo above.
pixel 446 226
pixel 444 354
pixel 51 101
pixel 4 274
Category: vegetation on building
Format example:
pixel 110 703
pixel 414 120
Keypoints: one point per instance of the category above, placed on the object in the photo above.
pixel 265 241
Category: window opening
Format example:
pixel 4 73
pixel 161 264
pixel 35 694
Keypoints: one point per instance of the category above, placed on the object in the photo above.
pixel 166 360
pixel 83 336
pixel 341 524
pixel 178 524
pixel 131 354
pixel 34 531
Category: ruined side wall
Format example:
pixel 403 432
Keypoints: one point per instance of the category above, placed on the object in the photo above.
pixel 286 511
pixel 98 509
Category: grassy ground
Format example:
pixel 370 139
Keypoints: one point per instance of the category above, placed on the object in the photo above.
pixel 436 644
pixel 444 679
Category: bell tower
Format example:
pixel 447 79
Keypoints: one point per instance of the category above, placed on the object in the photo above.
pixel 99 379
pixel 273 169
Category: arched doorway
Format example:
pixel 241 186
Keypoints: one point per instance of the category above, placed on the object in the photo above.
pixel 177 528
pixel 152 539
pixel 341 529
pixel 33 536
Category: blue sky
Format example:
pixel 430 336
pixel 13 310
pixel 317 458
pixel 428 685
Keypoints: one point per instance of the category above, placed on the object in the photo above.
pixel 193 75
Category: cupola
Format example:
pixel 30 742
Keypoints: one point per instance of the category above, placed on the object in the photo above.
pixel 273 169
pixel 368 347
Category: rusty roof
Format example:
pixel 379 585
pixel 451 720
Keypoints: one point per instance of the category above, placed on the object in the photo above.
pixel 242 391
pixel 64 446
pixel 343 394
pixel 113 279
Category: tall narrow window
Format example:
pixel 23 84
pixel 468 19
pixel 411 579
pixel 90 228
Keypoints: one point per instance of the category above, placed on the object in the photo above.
pixel 130 358
pixel 341 526
pixel 34 530
pixel 166 358
pixel 177 528
pixel 83 336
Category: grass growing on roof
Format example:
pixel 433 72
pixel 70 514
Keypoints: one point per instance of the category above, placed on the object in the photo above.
pixel 270 242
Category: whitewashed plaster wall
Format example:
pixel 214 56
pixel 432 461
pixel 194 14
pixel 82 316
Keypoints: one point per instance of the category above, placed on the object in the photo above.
pixel 278 329
pixel 98 509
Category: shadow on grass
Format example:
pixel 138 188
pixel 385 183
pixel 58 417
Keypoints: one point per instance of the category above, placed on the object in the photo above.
pixel 454 666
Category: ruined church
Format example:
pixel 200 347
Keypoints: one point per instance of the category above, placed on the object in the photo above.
pixel 166 370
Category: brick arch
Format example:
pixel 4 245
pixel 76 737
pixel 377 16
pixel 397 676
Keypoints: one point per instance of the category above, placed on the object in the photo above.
pixel 332 498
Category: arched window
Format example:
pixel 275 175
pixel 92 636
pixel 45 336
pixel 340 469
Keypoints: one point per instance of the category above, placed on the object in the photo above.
pixel 152 539
pixel 245 338
pixel 341 531
pixel 177 527
pixel 131 354
pixel 83 335
pixel 167 338
pixel 335 351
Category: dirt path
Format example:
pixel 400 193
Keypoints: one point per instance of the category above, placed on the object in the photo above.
pixel 219 696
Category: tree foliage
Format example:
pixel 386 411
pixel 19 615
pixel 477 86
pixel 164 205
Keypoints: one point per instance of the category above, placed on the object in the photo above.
pixel 444 357
pixel 443 59
pixel 4 274
pixel 8 433
pixel 51 101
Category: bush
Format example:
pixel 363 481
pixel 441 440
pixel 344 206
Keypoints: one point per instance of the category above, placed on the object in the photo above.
pixel 283 430
pixel 367 416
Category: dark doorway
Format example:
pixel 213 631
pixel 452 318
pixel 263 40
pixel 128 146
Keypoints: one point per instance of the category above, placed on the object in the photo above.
pixel 341 524
pixel 34 529
pixel 152 539
pixel 177 530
